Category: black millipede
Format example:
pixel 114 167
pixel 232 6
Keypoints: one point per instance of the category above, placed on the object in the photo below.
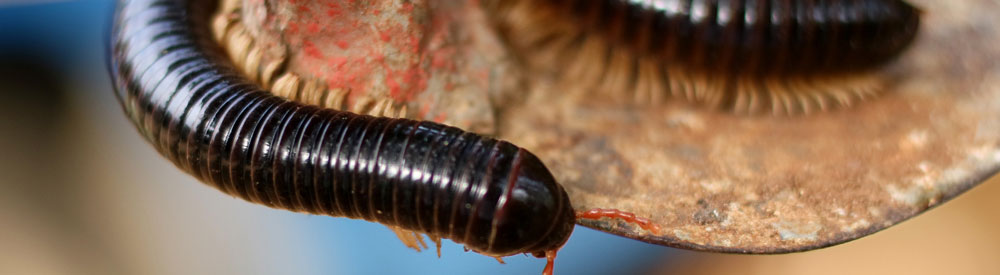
pixel 784 56
pixel 186 98
pixel 196 110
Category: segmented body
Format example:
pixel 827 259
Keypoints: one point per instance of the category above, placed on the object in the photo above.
pixel 210 121
pixel 758 36
pixel 779 56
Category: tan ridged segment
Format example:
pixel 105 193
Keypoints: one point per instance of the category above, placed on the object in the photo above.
pixel 287 86
pixel 334 98
pixel 270 72
pixel 229 6
pixel 362 105
pixel 238 43
pixel 312 92
pixel 221 25
pixel 251 67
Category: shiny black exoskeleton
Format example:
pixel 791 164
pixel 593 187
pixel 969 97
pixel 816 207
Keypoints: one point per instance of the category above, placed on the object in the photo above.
pixel 186 100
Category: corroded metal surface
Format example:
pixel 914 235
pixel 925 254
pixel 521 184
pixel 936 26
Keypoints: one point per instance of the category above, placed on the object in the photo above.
pixel 765 184
pixel 433 57
pixel 722 182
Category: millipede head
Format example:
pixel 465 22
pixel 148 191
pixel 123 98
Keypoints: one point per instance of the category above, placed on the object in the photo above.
pixel 534 215
pixel 873 166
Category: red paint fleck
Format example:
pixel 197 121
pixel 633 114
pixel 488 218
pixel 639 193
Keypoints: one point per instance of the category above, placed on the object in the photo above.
pixel 596 214
pixel 312 27
pixel 337 62
pixel 440 117
pixel 424 110
pixel 414 46
pixel 406 84
pixel 342 44
pixel 334 9
pixel 442 59
pixel 386 36
pixel 393 86
pixel 310 49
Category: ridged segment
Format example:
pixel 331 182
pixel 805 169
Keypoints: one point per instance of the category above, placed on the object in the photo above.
pixel 798 36
pixel 213 123
pixel 746 56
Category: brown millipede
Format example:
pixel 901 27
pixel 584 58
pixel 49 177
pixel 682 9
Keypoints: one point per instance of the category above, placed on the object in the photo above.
pixel 212 122
pixel 778 56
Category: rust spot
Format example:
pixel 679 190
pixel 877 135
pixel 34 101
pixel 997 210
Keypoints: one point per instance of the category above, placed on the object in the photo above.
pixel 762 184
pixel 708 214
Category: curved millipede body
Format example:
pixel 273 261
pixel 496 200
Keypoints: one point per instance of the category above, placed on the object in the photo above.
pixel 177 88
pixel 785 56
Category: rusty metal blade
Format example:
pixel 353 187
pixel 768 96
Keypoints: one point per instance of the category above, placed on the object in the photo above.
pixel 710 180
pixel 763 184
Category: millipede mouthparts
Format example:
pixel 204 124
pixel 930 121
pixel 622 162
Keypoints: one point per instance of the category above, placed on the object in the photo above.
pixel 211 121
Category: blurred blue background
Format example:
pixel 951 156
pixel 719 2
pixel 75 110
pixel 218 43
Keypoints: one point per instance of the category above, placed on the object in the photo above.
pixel 82 193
